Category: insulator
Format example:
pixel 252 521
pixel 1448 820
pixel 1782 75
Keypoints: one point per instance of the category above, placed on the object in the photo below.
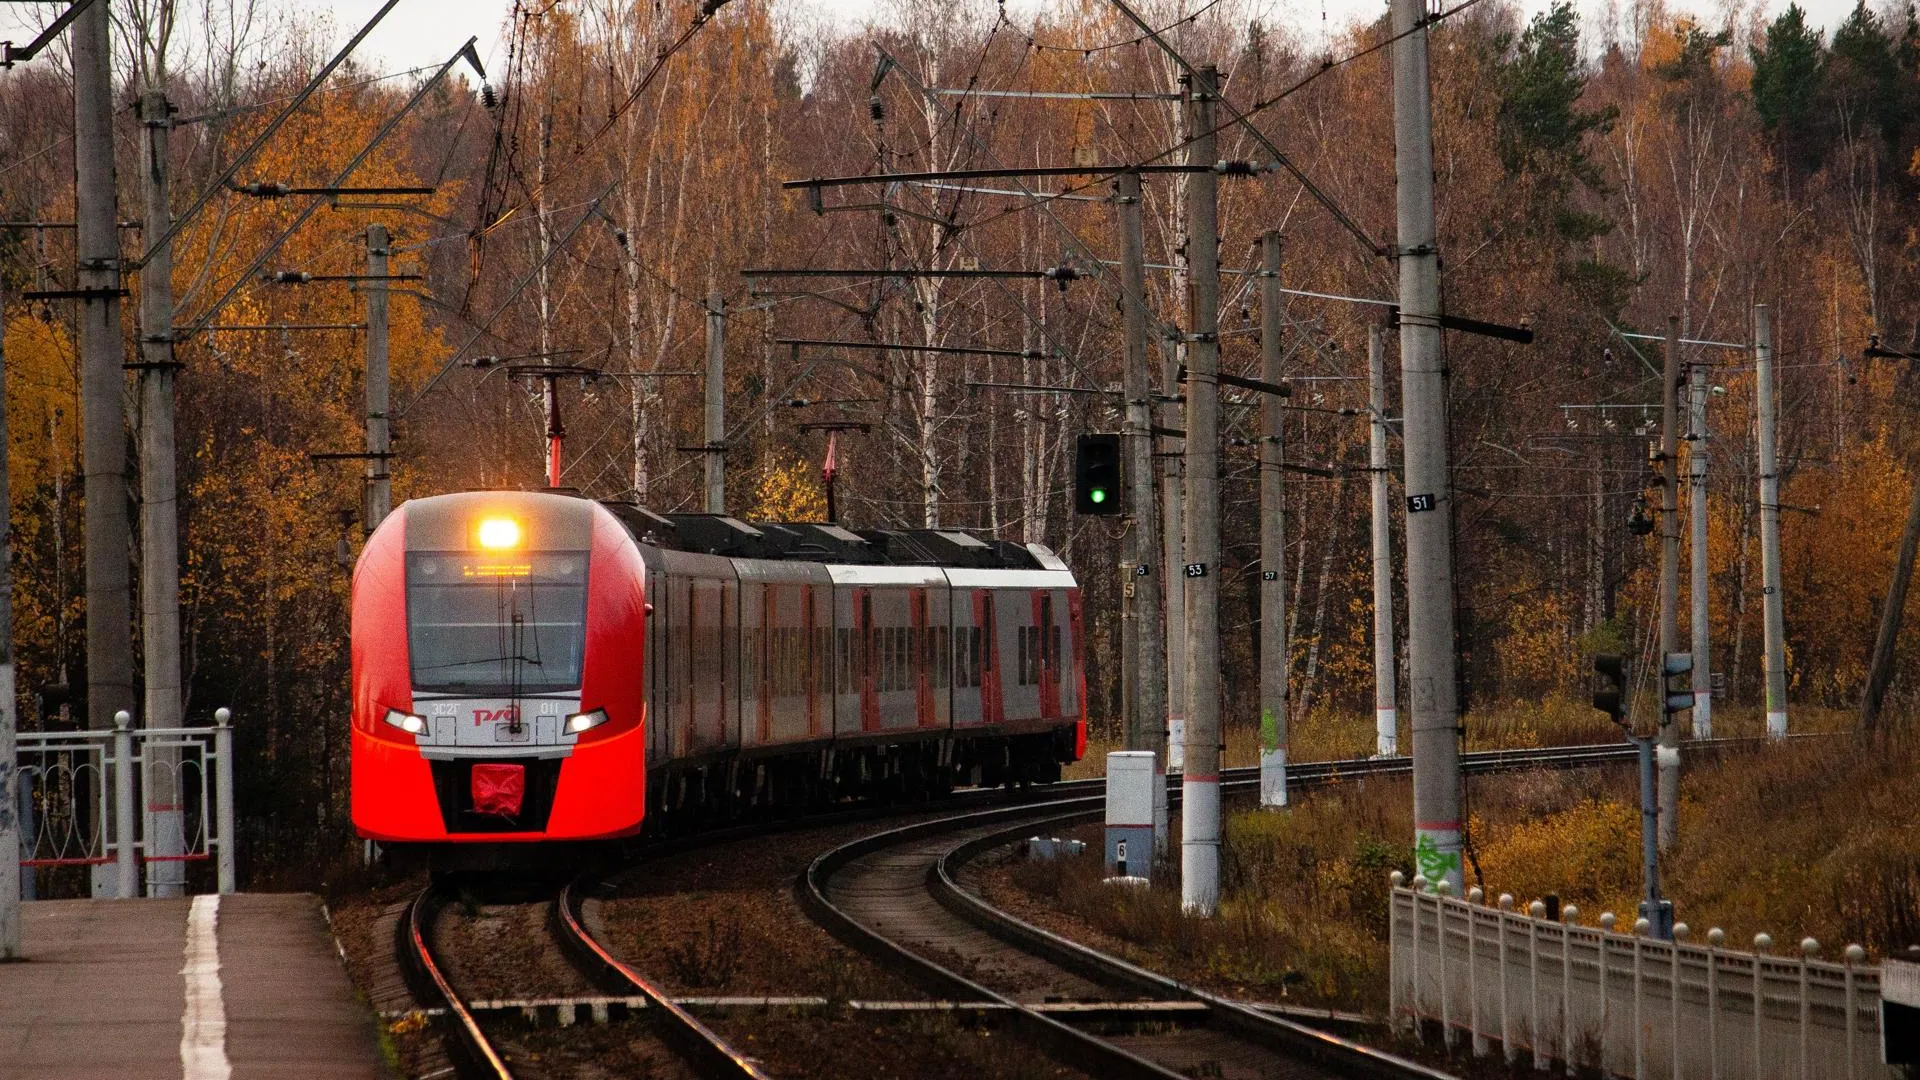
pixel 487 97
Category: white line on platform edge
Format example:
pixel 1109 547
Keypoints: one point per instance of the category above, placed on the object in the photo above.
pixel 203 1026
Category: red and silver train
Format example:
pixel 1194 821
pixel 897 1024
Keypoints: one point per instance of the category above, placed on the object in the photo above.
pixel 539 667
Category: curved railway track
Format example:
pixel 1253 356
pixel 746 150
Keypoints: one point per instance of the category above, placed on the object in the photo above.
pixel 706 1052
pixel 473 1053
pixel 896 896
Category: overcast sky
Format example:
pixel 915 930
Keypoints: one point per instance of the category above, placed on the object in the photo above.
pixel 422 32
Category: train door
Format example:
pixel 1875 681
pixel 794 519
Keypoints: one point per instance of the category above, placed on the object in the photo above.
pixel 846 689
pixel 727 653
pixel 1073 691
pixel 921 645
pixel 869 661
pixel 993 699
pixel 706 697
pixel 679 656
pixel 816 630
pixel 1046 650
pixel 940 656
pixel 758 602
pixel 652 649
pixel 965 662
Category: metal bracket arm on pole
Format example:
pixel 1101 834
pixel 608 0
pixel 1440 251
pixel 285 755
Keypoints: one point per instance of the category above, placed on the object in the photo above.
pixel 886 346
pixel 10 56
pixel 819 182
pixel 518 288
pixel 426 87
pixel 1066 273
pixel 1259 136
pixel 73 294
pixel 240 162
pixel 1244 383
pixel 1521 334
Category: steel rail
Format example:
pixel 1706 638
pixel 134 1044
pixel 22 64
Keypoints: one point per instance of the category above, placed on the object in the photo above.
pixel 702 1048
pixel 1067 1044
pixel 1267 1030
pixel 468 1044
pixel 1084 800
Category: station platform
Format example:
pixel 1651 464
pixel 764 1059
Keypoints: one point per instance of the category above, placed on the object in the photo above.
pixel 202 988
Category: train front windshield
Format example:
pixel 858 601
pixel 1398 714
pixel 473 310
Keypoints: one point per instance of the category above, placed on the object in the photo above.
pixel 496 625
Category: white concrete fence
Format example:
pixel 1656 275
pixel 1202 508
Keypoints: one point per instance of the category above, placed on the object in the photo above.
pixel 1581 997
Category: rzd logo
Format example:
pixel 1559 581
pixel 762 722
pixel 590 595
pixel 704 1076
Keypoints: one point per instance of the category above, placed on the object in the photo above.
pixel 510 714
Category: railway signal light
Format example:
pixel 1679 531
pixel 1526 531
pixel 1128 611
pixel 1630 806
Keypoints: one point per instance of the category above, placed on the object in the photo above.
pixel 1678 672
pixel 1610 686
pixel 1096 474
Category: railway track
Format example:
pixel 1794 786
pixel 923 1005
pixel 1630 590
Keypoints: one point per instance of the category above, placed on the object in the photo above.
pixel 472 1053
pixel 919 865
pixel 896 896
pixel 706 1052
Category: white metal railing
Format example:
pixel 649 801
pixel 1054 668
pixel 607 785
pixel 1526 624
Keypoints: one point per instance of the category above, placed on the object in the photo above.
pixel 81 795
pixel 1588 997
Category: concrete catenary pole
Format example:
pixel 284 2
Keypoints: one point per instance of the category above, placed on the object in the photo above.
pixel 716 453
pixel 379 494
pixel 1669 757
pixel 102 390
pixel 1386 715
pixel 162 792
pixel 1147 714
pixel 9 718
pixel 1431 661
pixel 1274 652
pixel 1173 538
pixel 1200 786
pixel 1880 671
pixel 1697 579
pixel 1776 630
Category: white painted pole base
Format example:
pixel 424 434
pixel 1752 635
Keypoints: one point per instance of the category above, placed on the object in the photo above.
pixel 1703 714
pixel 1200 845
pixel 1386 731
pixel 1776 725
pixel 1273 777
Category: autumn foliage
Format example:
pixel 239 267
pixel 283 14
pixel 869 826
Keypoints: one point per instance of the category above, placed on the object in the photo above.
pixel 1593 178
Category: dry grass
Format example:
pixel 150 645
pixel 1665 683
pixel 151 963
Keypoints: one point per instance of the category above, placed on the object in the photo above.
pixel 1805 839
pixel 1798 839
pixel 1303 909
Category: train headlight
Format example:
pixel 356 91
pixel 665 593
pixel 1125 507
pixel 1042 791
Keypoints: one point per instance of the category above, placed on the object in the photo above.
pixel 585 721
pixel 407 722
pixel 499 533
